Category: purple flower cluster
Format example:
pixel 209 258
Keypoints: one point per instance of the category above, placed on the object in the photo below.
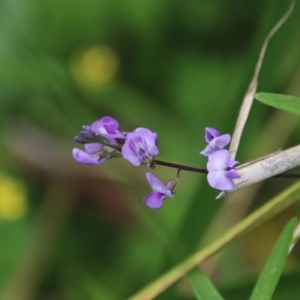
pixel 103 140
pixel 220 167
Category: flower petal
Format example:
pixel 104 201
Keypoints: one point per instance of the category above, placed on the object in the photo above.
pixel 129 151
pixel 207 151
pixel 107 127
pixel 155 183
pixel 217 160
pixel 232 173
pixel 210 134
pixel 154 200
pixel 231 163
pixel 158 186
pixel 220 142
pixel 219 181
pixel 85 158
pixel 92 147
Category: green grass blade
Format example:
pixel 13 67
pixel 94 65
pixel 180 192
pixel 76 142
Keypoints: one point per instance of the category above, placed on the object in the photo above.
pixel 202 286
pixel 269 277
pixel 284 102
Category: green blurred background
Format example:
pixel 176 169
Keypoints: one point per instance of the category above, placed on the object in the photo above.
pixel 76 232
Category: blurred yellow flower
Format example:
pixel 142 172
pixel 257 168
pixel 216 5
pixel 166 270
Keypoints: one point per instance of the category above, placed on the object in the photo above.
pixel 13 205
pixel 95 67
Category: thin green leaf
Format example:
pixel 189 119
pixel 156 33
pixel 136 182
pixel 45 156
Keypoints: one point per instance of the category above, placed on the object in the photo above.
pixel 284 102
pixel 269 277
pixel 202 286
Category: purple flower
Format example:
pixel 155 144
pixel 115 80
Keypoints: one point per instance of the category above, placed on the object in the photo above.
pixel 140 146
pixel 221 170
pixel 215 141
pixel 92 155
pixel 159 191
pixel 85 135
pixel 108 128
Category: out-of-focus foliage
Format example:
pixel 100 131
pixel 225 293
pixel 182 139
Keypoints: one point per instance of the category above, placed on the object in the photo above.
pixel 78 232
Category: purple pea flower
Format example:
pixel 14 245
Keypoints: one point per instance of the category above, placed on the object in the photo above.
pixel 107 127
pixel 92 155
pixel 159 191
pixel 221 170
pixel 85 135
pixel 140 146
pixel 215 141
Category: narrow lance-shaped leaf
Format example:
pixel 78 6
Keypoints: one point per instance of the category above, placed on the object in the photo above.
pixel 202 286
pixel 284 102
pixel 269 277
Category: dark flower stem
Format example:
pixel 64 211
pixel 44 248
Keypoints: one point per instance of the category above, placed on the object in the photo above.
pixel 177 166
pixel 204 171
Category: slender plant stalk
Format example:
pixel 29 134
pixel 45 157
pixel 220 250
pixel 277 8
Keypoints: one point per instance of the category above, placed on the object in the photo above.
pixel 179 167
pixel 248 98
pixel 266 167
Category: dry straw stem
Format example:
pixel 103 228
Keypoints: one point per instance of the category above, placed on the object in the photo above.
pixel 267 166
pixel 248 98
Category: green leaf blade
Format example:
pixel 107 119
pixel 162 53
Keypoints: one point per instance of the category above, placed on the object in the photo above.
pixel 284 102
pixel 269 277
pixel 202 286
